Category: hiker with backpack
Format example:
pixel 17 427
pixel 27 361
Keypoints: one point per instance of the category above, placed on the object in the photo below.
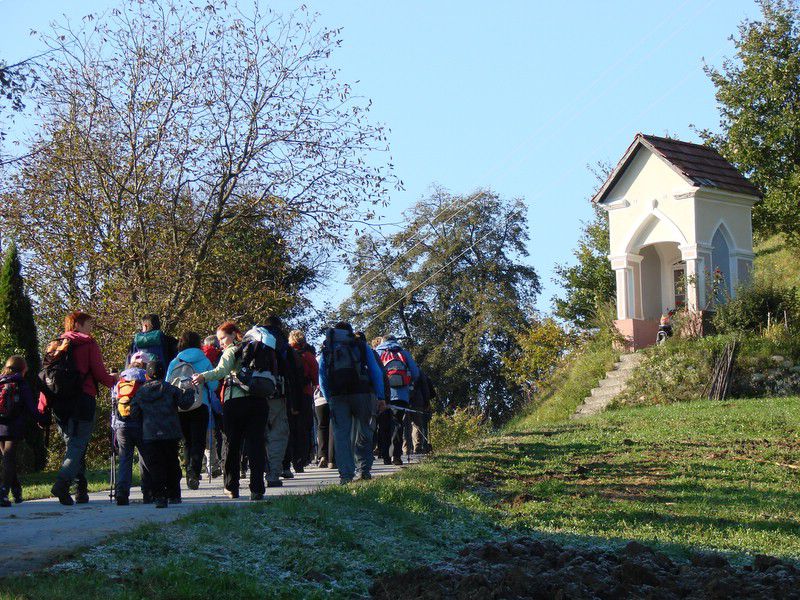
pixel 127 430
pixel 301 425
pixel 246 385
pixel 213 452
pixel 402 372
pixel 154 341
pixel 72 368
pixel 194 420
pixel 421 402
pixel 349 376
pixel 383 429
pixel 16 403
pixel 286 402
pixel 157 403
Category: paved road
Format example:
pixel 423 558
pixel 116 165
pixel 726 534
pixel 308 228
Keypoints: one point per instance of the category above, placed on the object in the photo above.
pixel 38 533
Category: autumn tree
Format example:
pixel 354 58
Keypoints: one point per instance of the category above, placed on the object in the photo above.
pixel 184 153
pixel 454 285
pixel 540 348
pixel 758 96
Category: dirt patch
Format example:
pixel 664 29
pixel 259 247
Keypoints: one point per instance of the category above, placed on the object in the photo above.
pixel 526 568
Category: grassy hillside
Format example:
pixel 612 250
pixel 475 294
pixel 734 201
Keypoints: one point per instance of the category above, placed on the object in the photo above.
pixel 777 262
pixel 686 476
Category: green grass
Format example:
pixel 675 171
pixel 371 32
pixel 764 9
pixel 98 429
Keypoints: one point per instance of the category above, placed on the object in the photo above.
pixel 682 477
pixel 570 384
pixel 37 485
pixel 776 261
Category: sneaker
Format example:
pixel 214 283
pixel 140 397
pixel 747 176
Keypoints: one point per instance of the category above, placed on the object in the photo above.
pixel 16 493
pixel 232 494
pixel 5 502
pixel 176 500
pixel 323 463
pixel 123 501
pixel 61 491
pixel 254 497
pixel 398 462
pixel 274 483
pixel 161 503
pixel 287 474
pixel 192 483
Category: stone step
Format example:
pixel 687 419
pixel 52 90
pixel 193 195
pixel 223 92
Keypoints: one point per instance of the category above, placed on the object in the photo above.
pixel 634 358
pixel 618 374
pixel 607 390
pixel 612 382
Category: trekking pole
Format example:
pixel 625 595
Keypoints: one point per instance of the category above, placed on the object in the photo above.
pixel 210 448
pixel 112 493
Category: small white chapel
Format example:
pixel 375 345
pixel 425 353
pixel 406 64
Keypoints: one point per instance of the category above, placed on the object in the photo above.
pixel 679 216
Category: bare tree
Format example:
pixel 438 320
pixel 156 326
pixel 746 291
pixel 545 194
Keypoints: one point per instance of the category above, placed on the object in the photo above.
pixel 164 129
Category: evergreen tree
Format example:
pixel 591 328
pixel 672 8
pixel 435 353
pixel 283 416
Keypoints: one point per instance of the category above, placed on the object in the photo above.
pixel 18 336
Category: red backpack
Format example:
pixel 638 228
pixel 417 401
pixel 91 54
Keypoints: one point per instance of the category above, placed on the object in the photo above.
pixel 10 400
pixel 396 368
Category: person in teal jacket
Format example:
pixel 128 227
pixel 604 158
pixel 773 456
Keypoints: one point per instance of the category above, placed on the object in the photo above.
pixel 194 423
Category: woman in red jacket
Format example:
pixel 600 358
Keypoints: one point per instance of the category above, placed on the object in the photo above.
pixel 305 420
pixel 75 416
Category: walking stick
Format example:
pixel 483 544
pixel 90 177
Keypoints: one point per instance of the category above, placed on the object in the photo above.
pixel 112 493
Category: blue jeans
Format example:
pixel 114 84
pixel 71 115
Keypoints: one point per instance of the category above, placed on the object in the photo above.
pixel 129 438
pixel 76 434
pixel 352 431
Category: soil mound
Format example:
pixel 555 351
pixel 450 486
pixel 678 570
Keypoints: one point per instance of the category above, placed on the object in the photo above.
pixel 528 568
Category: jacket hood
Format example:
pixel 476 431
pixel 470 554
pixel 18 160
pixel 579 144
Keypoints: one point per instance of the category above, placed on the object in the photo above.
pixel 150 391
pixel 78 337
pixel 133 374
pixel 389 345
pixel 191 355
pixel 12 377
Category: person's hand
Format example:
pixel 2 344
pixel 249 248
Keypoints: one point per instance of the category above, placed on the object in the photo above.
pixel 198 379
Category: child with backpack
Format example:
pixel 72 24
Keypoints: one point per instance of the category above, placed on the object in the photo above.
pixel 127 429
pixel 16 399
pixel 195 420
pixel 157 403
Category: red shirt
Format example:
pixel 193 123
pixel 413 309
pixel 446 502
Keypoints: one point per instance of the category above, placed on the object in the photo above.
pixel 310 369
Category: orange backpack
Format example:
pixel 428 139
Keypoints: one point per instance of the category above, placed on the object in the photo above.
pixel 126 390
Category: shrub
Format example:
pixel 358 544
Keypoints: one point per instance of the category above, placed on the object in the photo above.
pixel 755 306
pixel 457 428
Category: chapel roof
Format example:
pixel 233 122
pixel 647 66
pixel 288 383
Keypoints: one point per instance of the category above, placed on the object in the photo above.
pixel 698 164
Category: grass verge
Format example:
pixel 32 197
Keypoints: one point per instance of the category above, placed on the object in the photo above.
pixel 679 477
pixel 37 485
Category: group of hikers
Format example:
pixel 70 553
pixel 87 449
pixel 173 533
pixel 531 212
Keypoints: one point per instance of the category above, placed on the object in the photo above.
pixel 257 402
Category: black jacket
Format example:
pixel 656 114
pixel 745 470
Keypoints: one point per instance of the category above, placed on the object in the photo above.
pixel 156 404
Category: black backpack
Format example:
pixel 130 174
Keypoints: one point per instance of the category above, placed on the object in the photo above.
pixel 346 363
pixel 61 382
pixel 259 374
pixel 10 400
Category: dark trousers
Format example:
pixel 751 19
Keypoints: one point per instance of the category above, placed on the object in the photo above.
pixel 10 480
pixel 324 434
pixel 244 420
pixel 384 434
pixel 161 458
pixel 398 429
pixel 298 451
pixel 128 439
pixel 194 425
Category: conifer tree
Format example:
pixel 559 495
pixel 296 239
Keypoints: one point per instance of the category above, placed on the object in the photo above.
pixel 18 336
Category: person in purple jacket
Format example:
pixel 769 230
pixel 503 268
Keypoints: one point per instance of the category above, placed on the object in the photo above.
pixel 16 399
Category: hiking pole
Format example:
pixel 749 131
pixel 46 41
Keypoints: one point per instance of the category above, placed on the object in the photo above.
pixel 112 493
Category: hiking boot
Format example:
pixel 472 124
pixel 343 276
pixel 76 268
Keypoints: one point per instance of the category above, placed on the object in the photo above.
pixel 323 463
pixel 343 481
pixel 397 462
pixel 16 493
pixel 254 497
pixel 123 501
pixel 161 503
pixel 299 469
pixel 363 477
pixel 82 492
pixel 287 474
pixel 232 494
pixel 147 497
pixel 61 491
pixel 176 500
pixel 274 483
pixel 192 483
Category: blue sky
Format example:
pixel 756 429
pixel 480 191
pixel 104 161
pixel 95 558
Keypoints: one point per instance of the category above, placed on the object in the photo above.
pixel 516 96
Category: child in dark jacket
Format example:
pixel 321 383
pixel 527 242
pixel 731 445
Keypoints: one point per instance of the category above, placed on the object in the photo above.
pixel 16 399
pixel 157 403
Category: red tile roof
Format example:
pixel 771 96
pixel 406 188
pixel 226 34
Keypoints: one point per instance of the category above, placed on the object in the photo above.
pixel 700 165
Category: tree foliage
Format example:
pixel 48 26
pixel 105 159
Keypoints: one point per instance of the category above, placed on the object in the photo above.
pixel 453 284
pixel 18 335
pixel 758 95
pixel 184 153
pixel 590 281
pixel 541 347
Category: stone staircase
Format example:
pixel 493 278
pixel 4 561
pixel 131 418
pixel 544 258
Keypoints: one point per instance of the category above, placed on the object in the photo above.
pixel 610 387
